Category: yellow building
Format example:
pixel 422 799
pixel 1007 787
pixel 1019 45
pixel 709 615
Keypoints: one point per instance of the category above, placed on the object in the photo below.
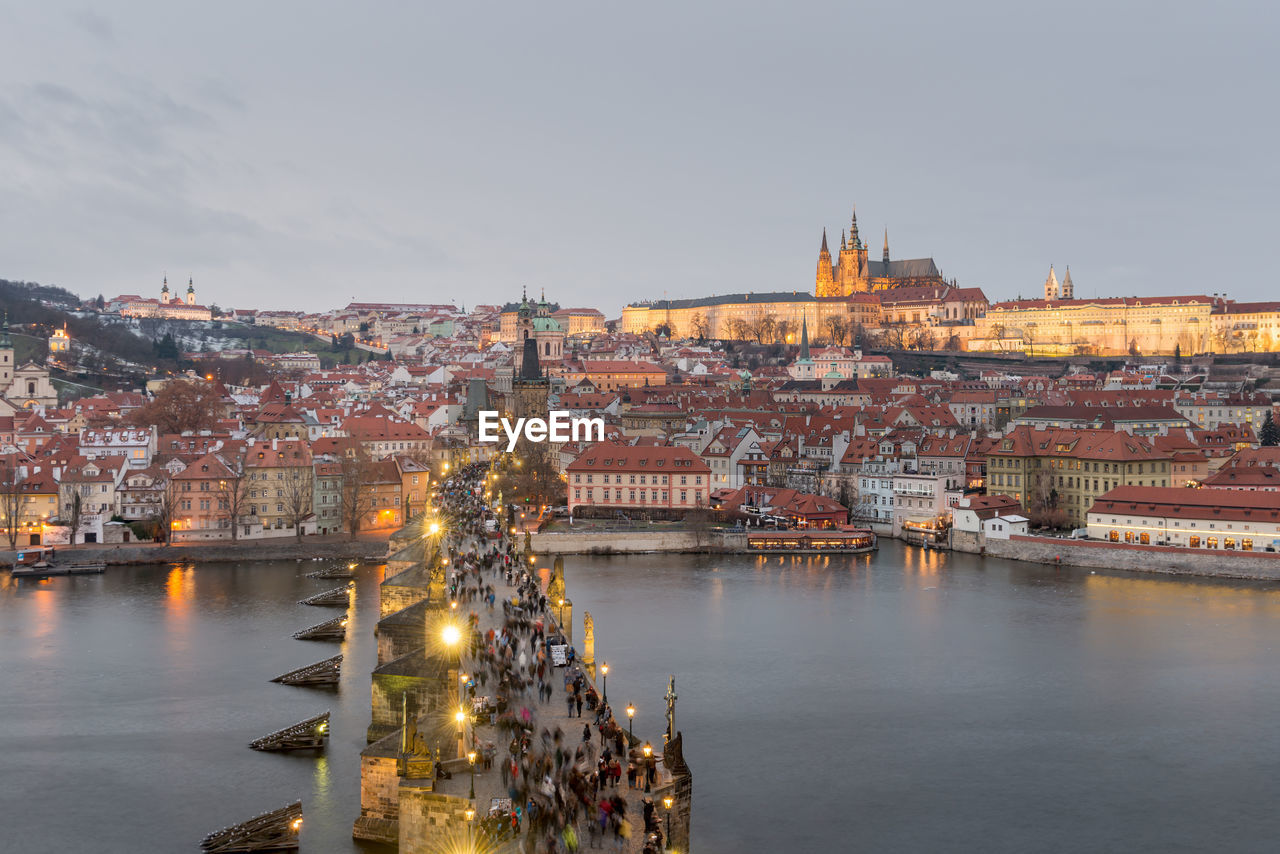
pixel 1108 326
pixel 1246 327
pixel 1065 471
pixel 280 479
pixel 739 316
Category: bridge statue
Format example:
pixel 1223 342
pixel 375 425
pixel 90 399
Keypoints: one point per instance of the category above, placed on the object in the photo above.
pixel 671 710
pixel 588 639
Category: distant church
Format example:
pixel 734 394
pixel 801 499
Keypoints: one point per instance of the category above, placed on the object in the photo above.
pixel 170 306
pixel 854 273
pixel 1053 290
pixel 26 386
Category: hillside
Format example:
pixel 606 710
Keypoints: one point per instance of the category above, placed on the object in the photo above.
pixel 112 352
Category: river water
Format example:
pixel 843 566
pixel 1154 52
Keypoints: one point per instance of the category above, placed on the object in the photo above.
pixel 906 701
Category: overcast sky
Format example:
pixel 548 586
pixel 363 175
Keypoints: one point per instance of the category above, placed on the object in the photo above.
pixel 301 155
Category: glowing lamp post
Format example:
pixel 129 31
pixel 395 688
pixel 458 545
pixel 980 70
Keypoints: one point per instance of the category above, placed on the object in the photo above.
pixel 667 802
pixel 604 672
pixel 631 721
pixel 648 758
pixel 471 760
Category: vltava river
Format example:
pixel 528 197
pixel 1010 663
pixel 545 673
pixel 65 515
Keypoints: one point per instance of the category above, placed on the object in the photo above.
pixel 907 701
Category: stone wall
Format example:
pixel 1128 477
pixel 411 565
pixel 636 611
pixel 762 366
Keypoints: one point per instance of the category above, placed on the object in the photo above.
pixel 1134 558
pixel 428 817
pixel 379 798
pixel 402 632
pixel 414 678
pixel 220 552
pixel 634 542
pixel 404 589
pixel 966 541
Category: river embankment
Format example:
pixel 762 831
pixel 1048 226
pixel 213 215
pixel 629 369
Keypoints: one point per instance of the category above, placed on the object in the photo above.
pixel 1157 560
pixel 256 550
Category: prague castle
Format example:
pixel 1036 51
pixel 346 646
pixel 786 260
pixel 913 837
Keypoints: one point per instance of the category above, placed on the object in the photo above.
pixel 851 291
pixel 853 273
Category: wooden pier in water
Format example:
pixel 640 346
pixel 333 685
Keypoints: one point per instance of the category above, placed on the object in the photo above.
pixel 344 571
pixel 273 831
pixel 337 597
pixel 329 630
pixel 322 674
pixel 311 734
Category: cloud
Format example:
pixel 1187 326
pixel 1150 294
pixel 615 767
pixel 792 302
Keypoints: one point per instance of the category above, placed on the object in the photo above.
pixel 95 25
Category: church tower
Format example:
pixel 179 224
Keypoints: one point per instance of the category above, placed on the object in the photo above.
pixel 6 354
pixel 164 292
pixel 825 283
pixel 852 270
pixel 1068 288
pixel 191 292
pixel 1051 287
pixel 530 388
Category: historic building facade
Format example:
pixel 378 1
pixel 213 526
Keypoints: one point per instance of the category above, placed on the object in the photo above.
pixel 852 272
pixel 170 306
pixel 848 287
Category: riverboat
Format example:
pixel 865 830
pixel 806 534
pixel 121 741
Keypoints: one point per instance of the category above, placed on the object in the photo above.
pixel 44 569
pixel 812 541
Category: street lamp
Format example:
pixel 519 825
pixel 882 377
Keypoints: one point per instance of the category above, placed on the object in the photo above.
pixel 471 759
pixel 667 802
pixel 461 718
pixel 604 671
pixel 451 635
pixel 631 721
pixel 648 758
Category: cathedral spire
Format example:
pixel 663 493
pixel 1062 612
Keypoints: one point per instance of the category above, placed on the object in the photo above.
pixel 804 338
pixel 854 241
pixel 842 246
pixel 886 250
pixel 824 242
pixel 1068 288
pixel 1051 287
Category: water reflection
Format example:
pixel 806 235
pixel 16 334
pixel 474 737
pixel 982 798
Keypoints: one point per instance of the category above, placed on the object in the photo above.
pixel 901 701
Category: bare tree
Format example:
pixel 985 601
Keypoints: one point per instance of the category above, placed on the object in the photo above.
pixel 699 326
pixel 297 497
pixel 357 497
pixel 14 500
pixel 738 329
pixel 923 338
pixel 784 331
pixel 698 521
pixel 997 336
pixel 75 513
pixel 838 328
pixel 765 328
pixel 895 335
pixel 233 495
pixel 166 509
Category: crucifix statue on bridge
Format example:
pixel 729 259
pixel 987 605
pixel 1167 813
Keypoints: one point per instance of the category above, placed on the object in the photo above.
pixel 671 710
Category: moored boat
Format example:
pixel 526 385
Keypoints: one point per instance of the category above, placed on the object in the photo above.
pixel 812 541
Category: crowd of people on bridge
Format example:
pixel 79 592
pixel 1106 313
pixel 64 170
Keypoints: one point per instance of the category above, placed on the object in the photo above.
pixel 563 790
